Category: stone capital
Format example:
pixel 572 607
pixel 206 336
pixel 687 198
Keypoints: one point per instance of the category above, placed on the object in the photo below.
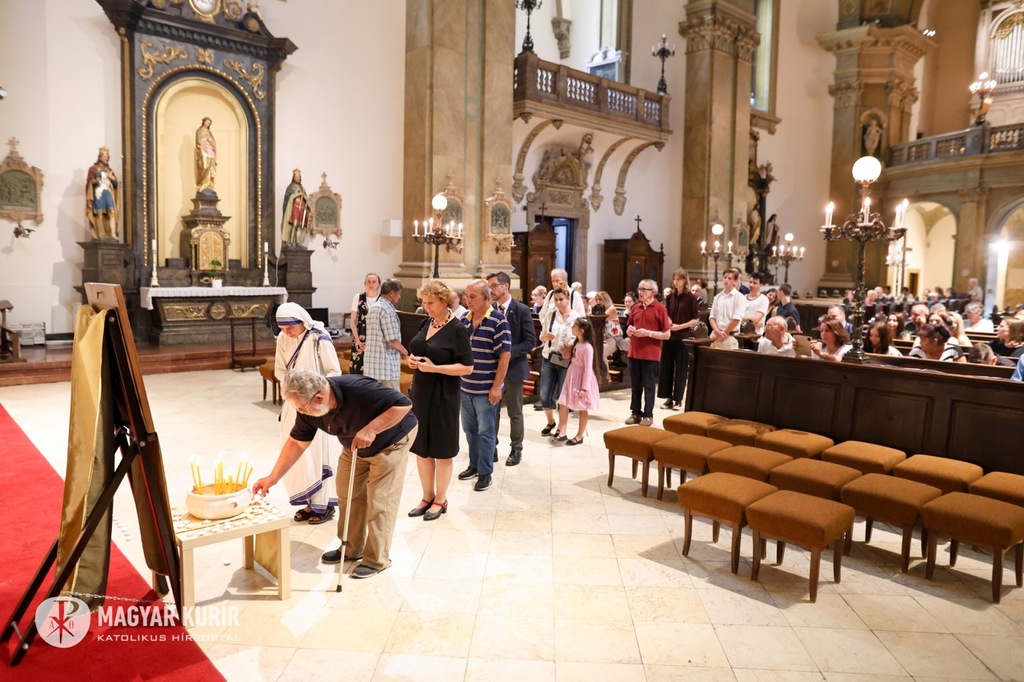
pixel 719 26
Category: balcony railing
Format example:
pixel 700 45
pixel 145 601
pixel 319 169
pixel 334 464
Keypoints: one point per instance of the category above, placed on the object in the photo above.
pixel 546 87
pixel 978 140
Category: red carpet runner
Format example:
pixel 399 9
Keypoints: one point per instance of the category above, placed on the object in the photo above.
pixel 30 500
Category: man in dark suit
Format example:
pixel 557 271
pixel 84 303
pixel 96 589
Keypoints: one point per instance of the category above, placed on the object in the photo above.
pixel 524 339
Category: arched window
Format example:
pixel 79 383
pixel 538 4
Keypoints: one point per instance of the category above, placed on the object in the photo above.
pixel 1007 47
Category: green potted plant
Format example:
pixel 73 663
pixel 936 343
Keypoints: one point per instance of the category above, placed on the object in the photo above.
pixel 216 274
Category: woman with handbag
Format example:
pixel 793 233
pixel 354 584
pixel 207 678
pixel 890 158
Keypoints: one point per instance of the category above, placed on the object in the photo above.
pixel 305 344
pixel 556 335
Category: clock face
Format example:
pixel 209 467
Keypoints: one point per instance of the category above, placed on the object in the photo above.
pixel 206 8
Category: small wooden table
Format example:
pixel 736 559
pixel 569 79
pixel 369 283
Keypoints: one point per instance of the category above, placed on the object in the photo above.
pixel 265 534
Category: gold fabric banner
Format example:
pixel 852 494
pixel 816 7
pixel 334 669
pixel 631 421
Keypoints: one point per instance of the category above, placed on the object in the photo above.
pixel 90 457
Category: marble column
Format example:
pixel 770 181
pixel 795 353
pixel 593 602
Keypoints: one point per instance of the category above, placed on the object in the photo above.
pixel 458 122
pixel 970 256
pixel 720 42
pixel 874 82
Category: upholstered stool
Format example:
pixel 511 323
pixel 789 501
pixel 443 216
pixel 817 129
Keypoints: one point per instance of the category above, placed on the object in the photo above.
pixel 696 423
pixel 686 452
pixel 739 431
pixel 723 498
pixel 803 520
pixel 990 524
pixel 267 373
pixel 897 501
pixel 813 477
pixel 1000 485
pixel 866 458
pixel 635 442
pixel 744 460
pixel 948 475
pixel 794 443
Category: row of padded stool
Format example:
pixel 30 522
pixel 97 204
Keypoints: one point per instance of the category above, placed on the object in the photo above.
pixel 852 474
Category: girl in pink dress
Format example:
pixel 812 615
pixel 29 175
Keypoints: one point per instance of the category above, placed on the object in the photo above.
pixel 580 391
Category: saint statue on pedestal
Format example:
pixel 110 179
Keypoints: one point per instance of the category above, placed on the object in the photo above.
pixel 206 157
pixel 295 216
pixel 100 198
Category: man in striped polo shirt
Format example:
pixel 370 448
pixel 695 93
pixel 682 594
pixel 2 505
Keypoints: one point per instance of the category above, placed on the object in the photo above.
pixel 491 342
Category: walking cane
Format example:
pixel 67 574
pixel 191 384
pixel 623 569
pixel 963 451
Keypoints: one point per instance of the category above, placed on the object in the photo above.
pixel 348 510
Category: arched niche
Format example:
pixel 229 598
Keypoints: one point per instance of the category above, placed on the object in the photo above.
pixel 178 111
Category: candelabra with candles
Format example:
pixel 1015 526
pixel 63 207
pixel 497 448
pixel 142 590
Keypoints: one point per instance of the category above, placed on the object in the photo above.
pixel 983 87
pixel 528 6
pixel 716 254
pixel 663 52
pixel 436 233
pixel 862 227
pixel 787 254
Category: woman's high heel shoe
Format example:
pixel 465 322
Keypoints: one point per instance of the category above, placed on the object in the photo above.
pixel 421 509
pixel 430 516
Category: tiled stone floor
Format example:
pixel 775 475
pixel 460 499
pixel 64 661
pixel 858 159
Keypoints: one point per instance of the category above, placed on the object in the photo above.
pixel 549 575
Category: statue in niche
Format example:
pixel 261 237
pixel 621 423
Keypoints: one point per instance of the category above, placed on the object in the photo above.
pixel 771 229
pixel 100 197
pixel 585 154
pixel 295 212
pixel 872 137
pixel 206 157
pixel 755 226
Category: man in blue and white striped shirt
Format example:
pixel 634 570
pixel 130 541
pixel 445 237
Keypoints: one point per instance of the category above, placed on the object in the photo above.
pixel 491 342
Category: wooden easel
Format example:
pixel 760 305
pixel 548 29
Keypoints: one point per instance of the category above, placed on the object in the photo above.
pixel 141 461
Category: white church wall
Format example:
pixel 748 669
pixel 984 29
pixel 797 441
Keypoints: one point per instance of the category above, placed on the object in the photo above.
pixel 62 105
pixel 338 112
pixel 800 150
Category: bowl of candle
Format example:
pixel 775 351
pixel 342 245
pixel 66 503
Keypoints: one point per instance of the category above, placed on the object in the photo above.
pixel 211 505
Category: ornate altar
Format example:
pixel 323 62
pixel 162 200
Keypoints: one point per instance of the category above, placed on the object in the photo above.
pixel 184 62
pixel 533 257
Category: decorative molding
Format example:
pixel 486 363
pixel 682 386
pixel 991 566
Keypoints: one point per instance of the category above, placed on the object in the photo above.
pixel 619 202
pixel 560 179
pixel 747 40
pixel 204 56
pixel 151 56
pixel 518 188
pixel 253 76
pixel 846 94
pixel 498 219
pixel 712 30
pixel 326 206
pixel 974 194
pixel 561 28
pixel 21 191
pixel 764 121
pixel 595 189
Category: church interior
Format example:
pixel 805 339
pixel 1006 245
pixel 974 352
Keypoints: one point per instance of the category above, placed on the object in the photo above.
pixel 215 158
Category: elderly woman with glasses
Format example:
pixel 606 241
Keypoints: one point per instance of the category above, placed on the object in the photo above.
pixel 305 344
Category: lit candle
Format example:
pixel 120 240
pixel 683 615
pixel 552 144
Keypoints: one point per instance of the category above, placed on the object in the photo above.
pixel 266 247
pixel 153 244
pixel 703 246
pixel 415 228
pixel 775 250
pixel 801 252
pixel 867 209
pixel 828 213
pixel 730 247
pixel 460 230
pixel 717 246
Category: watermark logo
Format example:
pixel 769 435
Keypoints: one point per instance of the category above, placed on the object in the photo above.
pixel 63 621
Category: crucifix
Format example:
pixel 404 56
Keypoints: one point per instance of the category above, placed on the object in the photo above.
pixel 638 221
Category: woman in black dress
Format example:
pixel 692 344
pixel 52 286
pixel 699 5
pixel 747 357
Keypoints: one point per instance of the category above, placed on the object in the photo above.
pixel 357 320
pixel 440 353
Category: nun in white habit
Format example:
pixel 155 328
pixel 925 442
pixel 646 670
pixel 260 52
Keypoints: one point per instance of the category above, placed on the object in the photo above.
pixel 305 344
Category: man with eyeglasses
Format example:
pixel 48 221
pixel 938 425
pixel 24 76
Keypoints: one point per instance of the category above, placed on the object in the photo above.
pixel 647 326
pixel 523 340
pixel 363 414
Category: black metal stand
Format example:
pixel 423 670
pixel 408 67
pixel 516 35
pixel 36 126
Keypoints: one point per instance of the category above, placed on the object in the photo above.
pixel 140 457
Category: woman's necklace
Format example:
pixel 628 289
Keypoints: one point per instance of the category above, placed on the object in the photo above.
pixel 434 323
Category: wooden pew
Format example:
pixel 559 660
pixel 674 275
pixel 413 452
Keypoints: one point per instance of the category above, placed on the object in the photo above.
pixel 971 418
